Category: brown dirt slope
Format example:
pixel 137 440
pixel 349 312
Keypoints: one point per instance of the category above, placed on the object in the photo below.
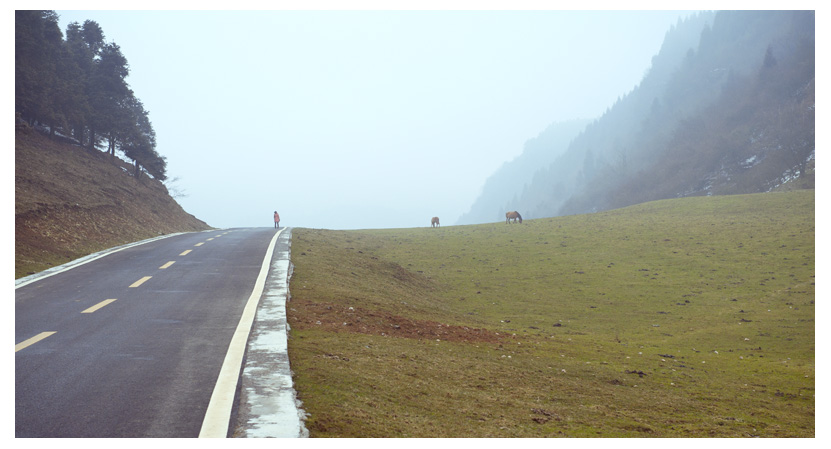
pixel 71 202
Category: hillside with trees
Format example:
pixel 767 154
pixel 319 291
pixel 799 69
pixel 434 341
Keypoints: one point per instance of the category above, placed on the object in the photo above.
pixel 76 89
pixel 727 107
pixel 75 117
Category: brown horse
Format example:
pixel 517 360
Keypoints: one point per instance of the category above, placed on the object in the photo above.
pixel 513 215
pixel 434 222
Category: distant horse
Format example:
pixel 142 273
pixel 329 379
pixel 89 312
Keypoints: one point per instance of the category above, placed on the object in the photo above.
pixel 513 215
pixel 434 222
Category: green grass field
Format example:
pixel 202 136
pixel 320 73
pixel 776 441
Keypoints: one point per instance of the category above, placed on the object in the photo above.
pixel 680 318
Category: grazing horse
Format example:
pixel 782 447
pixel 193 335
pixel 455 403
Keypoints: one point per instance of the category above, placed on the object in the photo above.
pixel 513 215
pixel 434 222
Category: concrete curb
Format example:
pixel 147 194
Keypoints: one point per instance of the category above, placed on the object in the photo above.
pixel 269 407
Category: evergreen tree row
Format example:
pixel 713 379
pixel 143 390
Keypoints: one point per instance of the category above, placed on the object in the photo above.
pixel 77 87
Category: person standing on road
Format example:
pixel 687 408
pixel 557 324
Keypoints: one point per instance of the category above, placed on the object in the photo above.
pixel 276 220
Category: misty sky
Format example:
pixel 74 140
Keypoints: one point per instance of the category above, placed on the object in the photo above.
pixel 364 119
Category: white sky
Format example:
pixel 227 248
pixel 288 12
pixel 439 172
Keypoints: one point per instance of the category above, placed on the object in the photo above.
pixel 365 118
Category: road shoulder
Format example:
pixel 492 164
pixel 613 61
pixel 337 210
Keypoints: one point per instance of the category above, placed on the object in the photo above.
pixel 268 406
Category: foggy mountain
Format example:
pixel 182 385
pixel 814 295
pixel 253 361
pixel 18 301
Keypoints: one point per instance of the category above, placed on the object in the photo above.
pixel 508 182
pixel 727 107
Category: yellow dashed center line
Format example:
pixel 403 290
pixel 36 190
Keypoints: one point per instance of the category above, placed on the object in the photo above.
pixel 31 341
pixel 42 335
pixel 140 281
pixel 98 306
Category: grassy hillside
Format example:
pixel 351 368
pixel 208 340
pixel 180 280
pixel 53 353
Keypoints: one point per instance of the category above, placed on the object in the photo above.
pixel 71 201
pixel 678 318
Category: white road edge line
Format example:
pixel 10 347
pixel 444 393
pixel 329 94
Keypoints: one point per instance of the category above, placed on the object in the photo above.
pixel 268 403
pixel 86 259
pixel 218 415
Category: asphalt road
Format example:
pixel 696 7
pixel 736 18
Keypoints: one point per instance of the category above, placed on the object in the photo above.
pixel 131 344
